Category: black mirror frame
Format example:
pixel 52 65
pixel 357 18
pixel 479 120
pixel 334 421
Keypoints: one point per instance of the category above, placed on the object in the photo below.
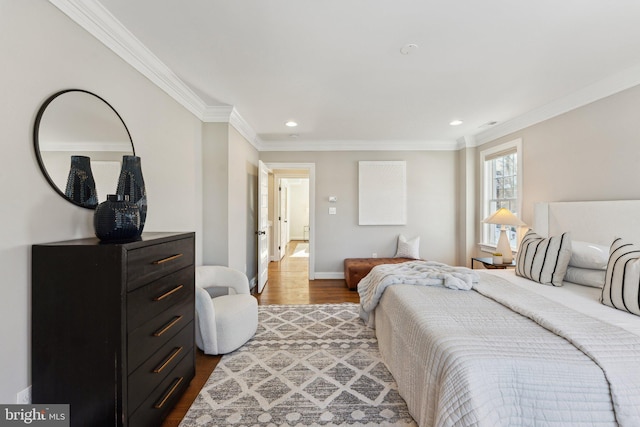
pixel 36 140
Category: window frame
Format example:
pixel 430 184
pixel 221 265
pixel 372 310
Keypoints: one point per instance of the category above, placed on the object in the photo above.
pixel 514 146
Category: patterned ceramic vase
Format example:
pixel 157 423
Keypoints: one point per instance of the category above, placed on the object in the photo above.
pixel 131 183
pixel 81 187
pixel 117 219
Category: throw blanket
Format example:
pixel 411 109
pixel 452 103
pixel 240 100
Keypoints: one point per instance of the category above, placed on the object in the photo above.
pixel 419 273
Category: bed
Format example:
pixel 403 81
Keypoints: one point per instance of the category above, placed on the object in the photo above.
pixel 514 352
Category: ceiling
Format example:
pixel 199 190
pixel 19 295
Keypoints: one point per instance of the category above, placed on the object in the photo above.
pixel 336 66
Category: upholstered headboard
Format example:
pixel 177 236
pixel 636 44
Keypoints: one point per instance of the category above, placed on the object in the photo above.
pixel 596 222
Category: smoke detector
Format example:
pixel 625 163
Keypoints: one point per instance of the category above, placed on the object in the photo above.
pixel 408 48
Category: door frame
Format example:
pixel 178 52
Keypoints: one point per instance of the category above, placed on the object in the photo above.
pixel 311 170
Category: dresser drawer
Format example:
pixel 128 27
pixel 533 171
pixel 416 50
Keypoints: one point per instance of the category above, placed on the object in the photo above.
pixel 150 300
pixel 158 404
pixel 152 262
pixel 148 338
pixel 147 377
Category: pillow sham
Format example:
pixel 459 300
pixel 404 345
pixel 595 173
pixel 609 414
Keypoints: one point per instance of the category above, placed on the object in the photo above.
pixel 544 260
pixel 408 248
pixel 589 255
pixel 622 281
pixel 585 276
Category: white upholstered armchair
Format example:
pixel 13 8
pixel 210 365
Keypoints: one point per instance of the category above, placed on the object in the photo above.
pixel 226 322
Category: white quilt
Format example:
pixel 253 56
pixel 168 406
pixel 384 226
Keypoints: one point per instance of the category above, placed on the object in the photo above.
pixel 418 273
pixel 503 356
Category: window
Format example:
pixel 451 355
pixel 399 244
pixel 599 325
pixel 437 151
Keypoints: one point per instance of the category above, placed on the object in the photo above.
pixel 501 188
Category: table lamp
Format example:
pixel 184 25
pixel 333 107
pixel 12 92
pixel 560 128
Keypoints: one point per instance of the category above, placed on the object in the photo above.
pixel 504 217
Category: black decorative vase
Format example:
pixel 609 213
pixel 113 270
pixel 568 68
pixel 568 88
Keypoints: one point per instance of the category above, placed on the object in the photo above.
pixel 131 183
pixel 117 219
pixel 81 187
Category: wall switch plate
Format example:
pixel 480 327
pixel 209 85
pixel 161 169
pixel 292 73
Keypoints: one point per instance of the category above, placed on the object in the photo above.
pixel 374 255
pixel 24 397
pixel 333 199
pixel 332 211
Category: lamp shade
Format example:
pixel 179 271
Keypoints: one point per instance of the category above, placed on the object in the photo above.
pixel 503 216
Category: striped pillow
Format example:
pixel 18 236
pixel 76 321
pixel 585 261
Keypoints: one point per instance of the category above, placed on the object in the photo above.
pixel 622 282
pixel 544 260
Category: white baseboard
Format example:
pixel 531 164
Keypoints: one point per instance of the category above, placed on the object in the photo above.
pixel 329 275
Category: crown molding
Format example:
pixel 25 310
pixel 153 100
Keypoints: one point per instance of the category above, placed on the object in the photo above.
pixel 467 141
pixel 601 89
pixel 243 127
pixel 99 22
pixel 355 145
pixel 228 114
pixel 217 114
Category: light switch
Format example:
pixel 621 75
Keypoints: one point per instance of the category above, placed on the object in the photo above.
pixel 333 199
pixel 332 211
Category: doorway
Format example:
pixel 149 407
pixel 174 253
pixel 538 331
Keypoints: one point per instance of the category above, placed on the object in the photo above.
pixel 291 217
pixel 291 210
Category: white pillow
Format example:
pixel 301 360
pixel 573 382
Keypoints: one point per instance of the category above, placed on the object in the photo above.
pixel 544 260
pixel 408 248
pixel 585 276
pixel 622 282
pixel 589 255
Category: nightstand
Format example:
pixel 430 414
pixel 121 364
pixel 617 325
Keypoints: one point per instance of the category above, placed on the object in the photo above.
pixel 488 263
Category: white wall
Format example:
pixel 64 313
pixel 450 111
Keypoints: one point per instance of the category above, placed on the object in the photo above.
pixel 215 187
pixel 298 207
pixel 432 203
pixel 243 200
pixel 43 51
pixel 590 153
pixel 230 182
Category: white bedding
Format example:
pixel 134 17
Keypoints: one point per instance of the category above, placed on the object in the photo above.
pixel 583 299
pixel 460 358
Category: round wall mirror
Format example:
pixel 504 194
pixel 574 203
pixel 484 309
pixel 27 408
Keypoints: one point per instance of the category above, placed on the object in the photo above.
pixel 79 141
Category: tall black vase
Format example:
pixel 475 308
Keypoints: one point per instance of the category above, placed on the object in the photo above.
pixel 81 187
pixel 131 183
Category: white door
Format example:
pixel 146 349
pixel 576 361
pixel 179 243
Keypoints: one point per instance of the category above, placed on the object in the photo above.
pixel 283 217
pixel 263 225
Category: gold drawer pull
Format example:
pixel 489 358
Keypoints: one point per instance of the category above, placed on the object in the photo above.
pixel 166 294
pixel 168 326
pixel 167 259
pixel 169 392
pixel 168 360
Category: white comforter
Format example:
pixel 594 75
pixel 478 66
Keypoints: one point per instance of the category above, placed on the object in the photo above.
pixel 418 273
pixel 502 356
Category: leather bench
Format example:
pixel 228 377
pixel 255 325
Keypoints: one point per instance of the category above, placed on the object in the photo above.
pixel 356 268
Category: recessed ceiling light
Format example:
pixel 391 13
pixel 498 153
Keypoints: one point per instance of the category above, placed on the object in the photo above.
pixel 455 122
pixel 408 48
pixel 291 124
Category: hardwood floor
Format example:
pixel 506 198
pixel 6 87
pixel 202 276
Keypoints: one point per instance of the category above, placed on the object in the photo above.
pixel 288 284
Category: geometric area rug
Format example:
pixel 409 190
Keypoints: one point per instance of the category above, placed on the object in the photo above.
pixel 308 365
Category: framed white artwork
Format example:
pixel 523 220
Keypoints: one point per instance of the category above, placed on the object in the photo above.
pixel 382 190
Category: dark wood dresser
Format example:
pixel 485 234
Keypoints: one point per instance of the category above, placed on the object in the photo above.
pixel 113 327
